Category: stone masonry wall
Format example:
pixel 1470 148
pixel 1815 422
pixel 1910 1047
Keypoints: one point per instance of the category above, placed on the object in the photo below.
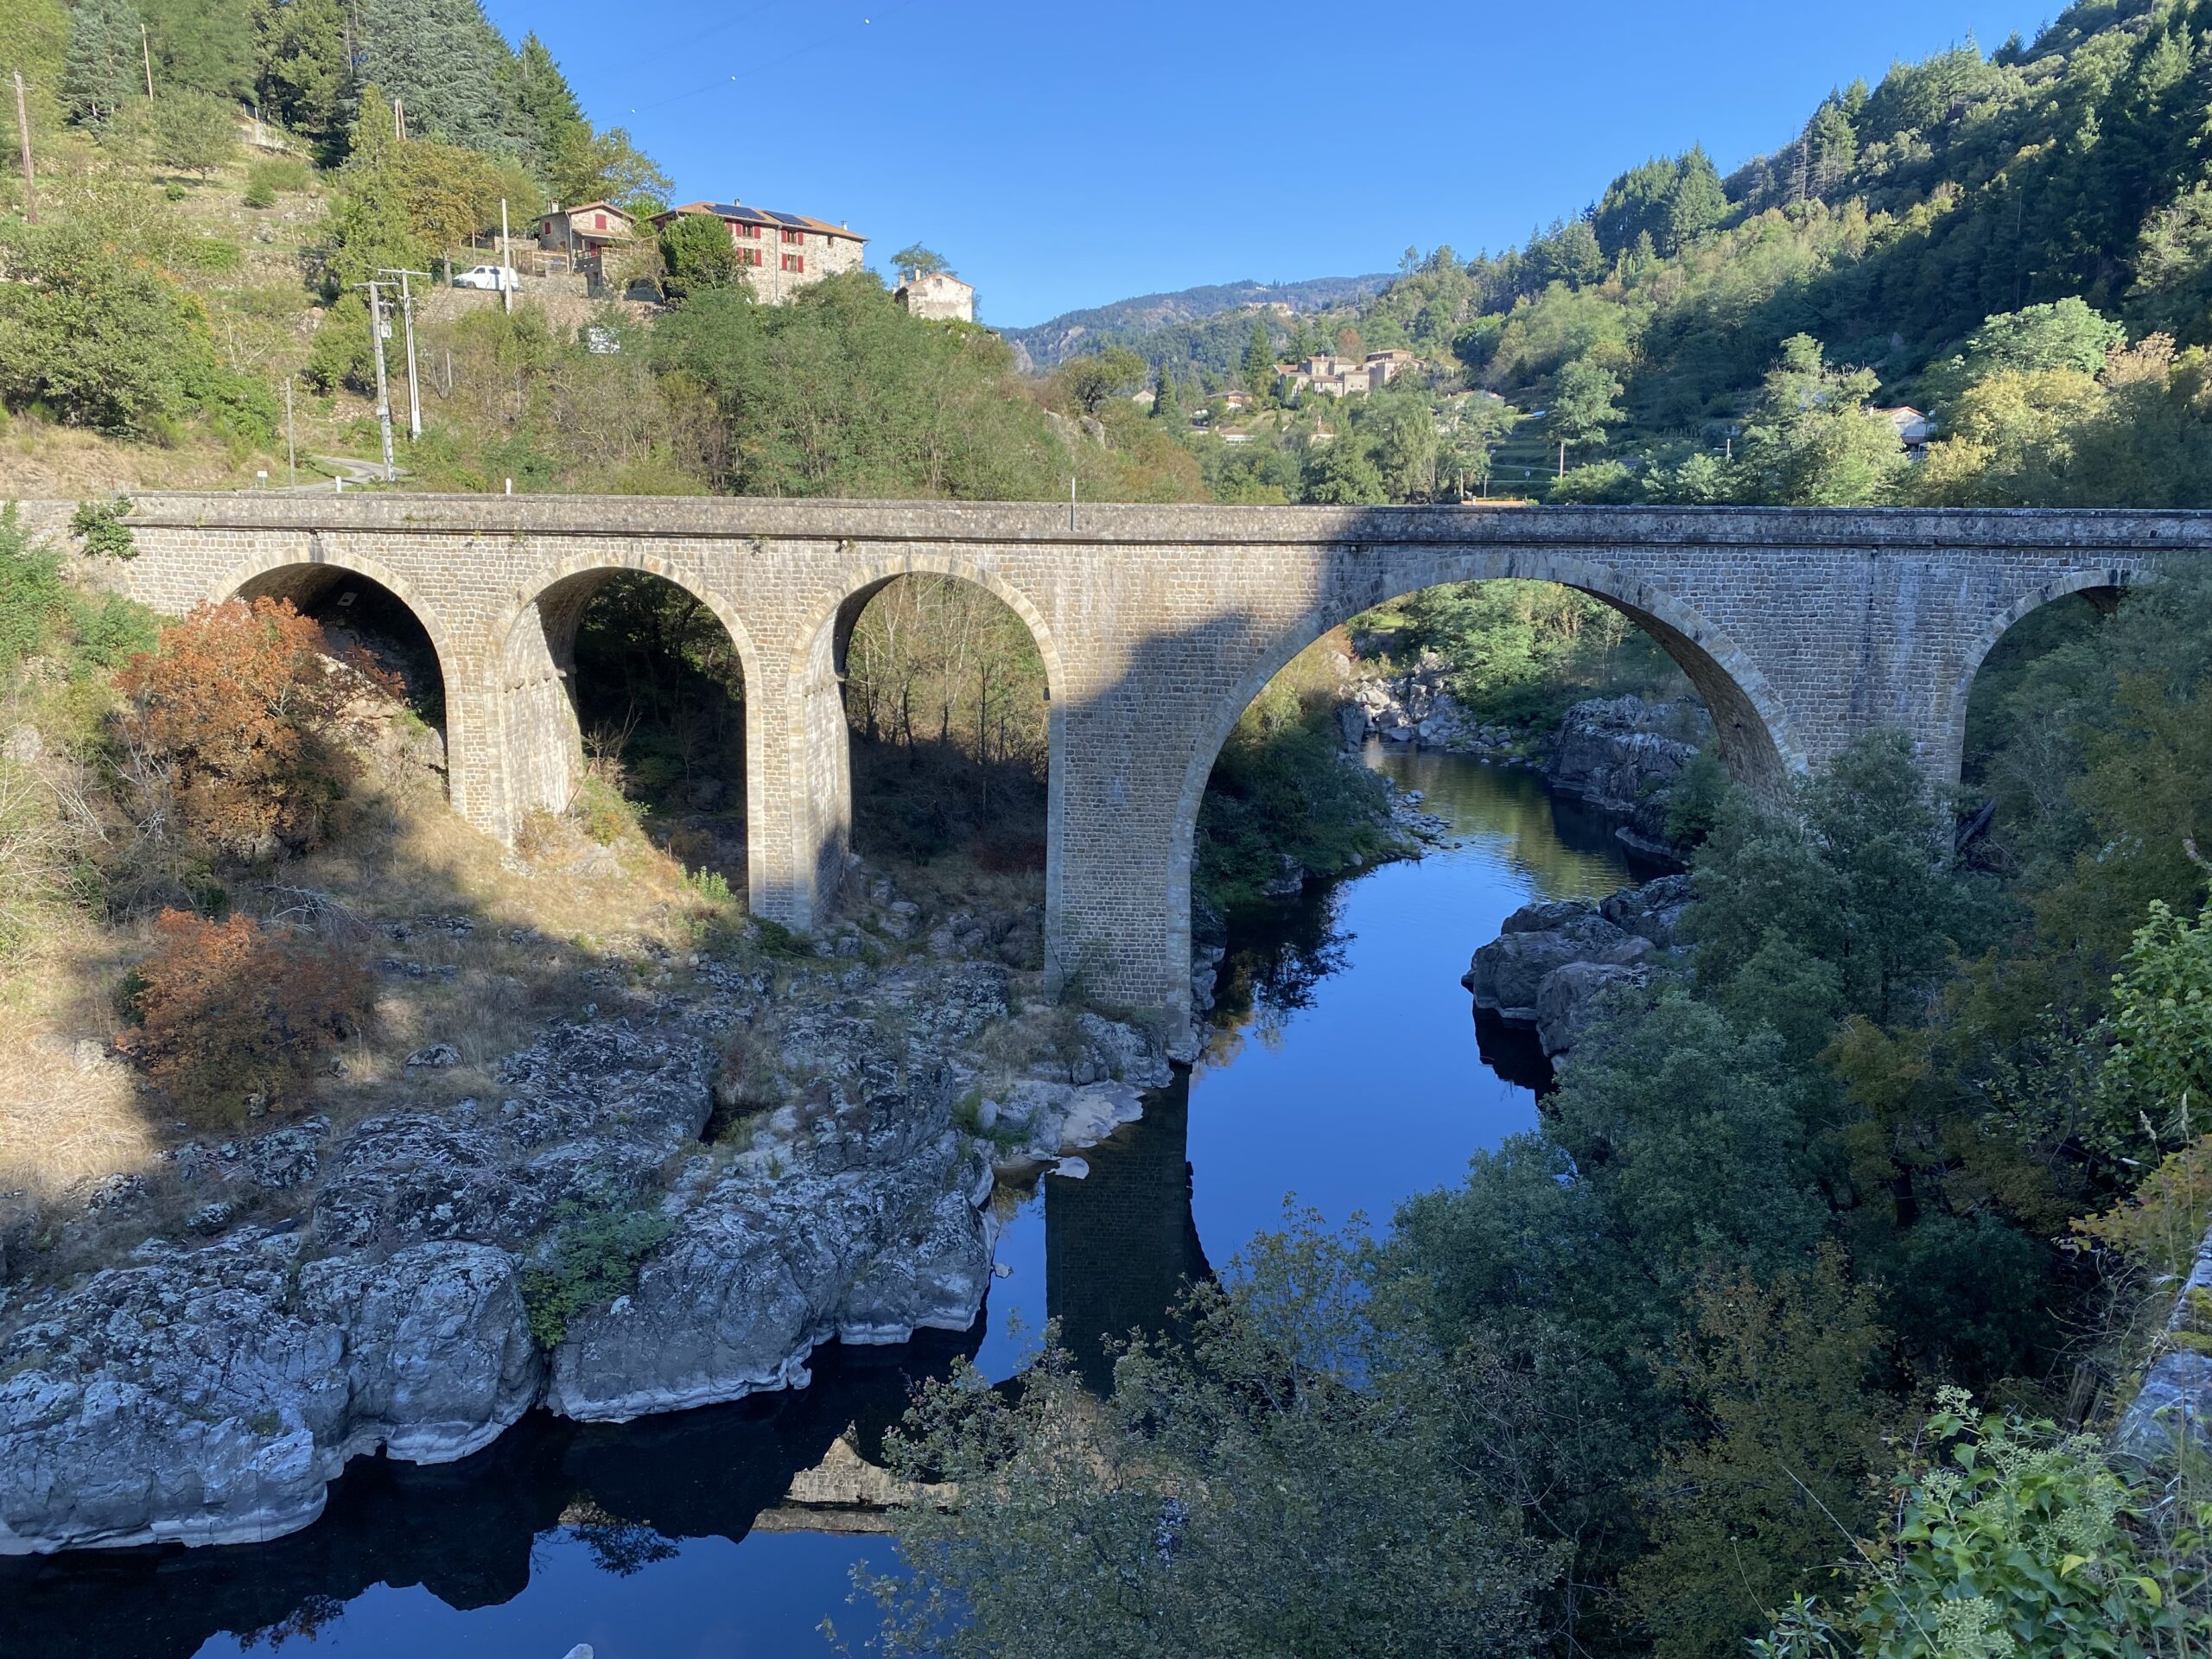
pixel 1802 628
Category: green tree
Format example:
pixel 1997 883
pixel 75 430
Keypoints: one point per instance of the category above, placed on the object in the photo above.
pixel 103 68
pixel 696 254
pixel 1090 381
pixel 1811 441
pixel 1743 1513
pixel 1287 1479
pixel 449 68
pixel 1582 406
pixel 1699 203
pixel 195 131
pixel 1342 473
pixel 306 76
pixel 201 46
pixel 1260 361
pixel 101 338
pixel 559 138
pixel 918 259
pixel 1167 405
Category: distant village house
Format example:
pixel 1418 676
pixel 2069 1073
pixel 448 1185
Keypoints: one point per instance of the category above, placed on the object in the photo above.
pixel 1339 377
pixel 938 296
pixel 780 253
pixel 1913 429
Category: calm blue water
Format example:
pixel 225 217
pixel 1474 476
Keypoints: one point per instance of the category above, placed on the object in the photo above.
pixel 1346 1069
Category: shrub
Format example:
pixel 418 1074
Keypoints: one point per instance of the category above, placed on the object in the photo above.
pixel 233 710
pixel 591 1259
pixel 92 330
pixel 225 1010
pixel 2010 1539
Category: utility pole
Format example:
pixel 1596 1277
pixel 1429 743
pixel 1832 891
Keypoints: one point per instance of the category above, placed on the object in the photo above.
pixel 383 386
pixel 146 52
pixel 24 136
pixel 506 260
pixel 407 316
pixel 399 120
pixel 291 448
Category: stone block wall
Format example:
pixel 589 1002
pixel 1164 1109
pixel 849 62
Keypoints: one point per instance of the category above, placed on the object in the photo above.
pixel 1802 628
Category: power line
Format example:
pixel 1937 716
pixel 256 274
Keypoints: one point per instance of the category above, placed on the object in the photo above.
pixel 773 64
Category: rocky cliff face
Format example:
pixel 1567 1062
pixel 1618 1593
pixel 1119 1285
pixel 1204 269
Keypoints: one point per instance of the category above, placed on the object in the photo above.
pixel 1623 756
pixel 207 1391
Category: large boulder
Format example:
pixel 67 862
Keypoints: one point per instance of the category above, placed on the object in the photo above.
pixel 2173 1409
pixel 1567 1000
pixel 1506 974
pixel 209 1395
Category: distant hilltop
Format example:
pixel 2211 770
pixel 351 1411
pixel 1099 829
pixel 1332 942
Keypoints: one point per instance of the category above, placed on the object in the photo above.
pixel 1047 345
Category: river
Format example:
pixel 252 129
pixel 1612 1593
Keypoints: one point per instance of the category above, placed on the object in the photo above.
pixel 1345 1068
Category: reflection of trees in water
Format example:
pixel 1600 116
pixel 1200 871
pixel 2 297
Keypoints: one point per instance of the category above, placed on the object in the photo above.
pixel 1277 959
pixel 1120 1244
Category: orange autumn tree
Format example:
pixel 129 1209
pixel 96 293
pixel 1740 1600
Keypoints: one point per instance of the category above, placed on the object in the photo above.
pixel 233 710
pixel 232 1009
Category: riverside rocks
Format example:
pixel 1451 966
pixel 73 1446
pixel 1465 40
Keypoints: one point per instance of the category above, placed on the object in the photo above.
pixel 1416 707
pixel 1551 960
pixel 206 1392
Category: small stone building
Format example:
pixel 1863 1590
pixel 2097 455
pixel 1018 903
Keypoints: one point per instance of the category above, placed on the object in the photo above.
pixel 939 296
pixel 586 228
pixel 780 253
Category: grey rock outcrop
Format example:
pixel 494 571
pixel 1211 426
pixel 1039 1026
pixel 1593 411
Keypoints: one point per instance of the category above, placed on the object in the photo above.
pixel 2174 1406
pixel 209 1395
pixel 1507 974
pixel 1624 755
pixel 1552 960
pixel 1417 707
pixel 863 1224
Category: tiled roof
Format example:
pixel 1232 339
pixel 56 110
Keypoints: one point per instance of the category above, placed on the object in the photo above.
pixel 739 214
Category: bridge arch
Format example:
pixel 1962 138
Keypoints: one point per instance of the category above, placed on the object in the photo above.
pixel 305 580
pixel 533 659
pixel 2102 588
pixel 305 584
pixel 819 737
pixel 1751 725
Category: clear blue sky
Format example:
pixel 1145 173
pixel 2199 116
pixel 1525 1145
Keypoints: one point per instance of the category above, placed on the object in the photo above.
pixel 1062 155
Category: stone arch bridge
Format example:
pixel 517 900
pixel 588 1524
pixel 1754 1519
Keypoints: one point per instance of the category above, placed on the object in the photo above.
pixel 1802 628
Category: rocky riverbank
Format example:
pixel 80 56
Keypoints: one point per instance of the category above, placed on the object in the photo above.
pixel 669 1203
pixel 1552 961
pixel 1622 755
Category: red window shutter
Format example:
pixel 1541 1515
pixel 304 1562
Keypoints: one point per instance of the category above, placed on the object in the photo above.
pixel 599 221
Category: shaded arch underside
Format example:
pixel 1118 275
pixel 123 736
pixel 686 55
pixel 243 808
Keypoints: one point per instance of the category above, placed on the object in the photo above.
pixel 2103 590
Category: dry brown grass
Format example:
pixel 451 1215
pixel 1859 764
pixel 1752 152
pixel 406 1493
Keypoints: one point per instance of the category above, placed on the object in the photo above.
pixel 71 1113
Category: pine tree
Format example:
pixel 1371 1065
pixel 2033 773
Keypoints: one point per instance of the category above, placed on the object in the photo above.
pixel 1167 400
pixel 449 68
pixel 102 67
pixel 1259 360
pixel 559 138
pixel 201 46
pixel 307 76
pixel 1699 202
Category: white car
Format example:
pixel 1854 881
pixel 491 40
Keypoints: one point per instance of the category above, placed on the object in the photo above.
pixel 495 277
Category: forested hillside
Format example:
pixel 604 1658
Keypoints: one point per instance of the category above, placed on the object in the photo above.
pixel 1046 344
pixel 2018 244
